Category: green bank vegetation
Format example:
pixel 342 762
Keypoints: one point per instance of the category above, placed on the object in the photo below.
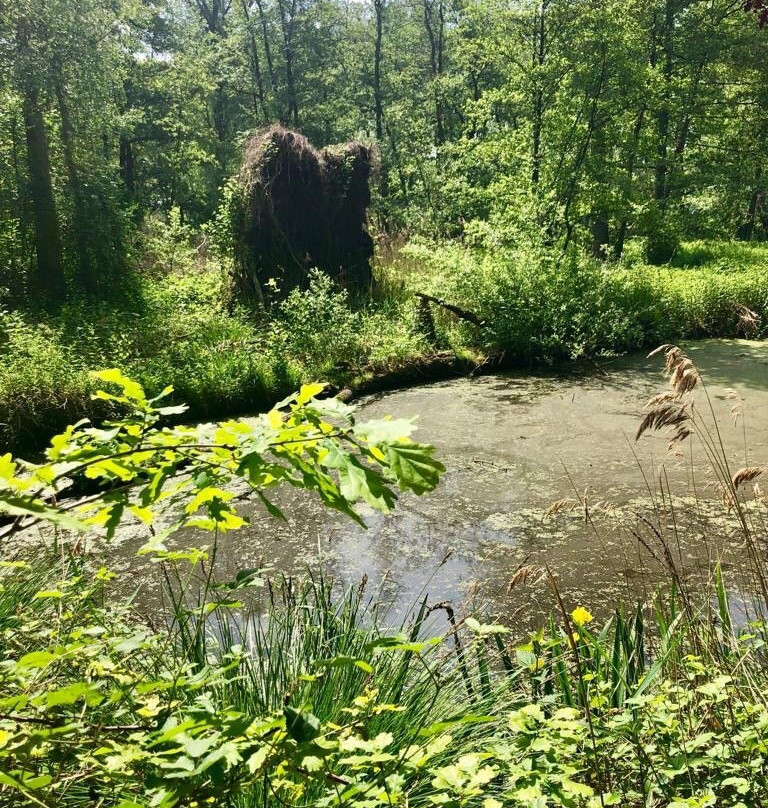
pixel 535 307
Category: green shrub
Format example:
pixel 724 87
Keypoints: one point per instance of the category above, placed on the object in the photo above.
pixel 317 328
pixel 548 306
pixel 43 383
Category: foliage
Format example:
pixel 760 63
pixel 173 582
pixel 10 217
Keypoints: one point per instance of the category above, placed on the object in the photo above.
pixel 542 123
pixel 303 441
pixel 548 305
pixel 538 306
pixel 101 678
pixel 105 709
pixel 95 704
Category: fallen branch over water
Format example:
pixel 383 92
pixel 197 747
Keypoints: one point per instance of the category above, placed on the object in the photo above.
pixel 462 314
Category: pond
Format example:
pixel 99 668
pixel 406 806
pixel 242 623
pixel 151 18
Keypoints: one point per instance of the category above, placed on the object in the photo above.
pixel 513 445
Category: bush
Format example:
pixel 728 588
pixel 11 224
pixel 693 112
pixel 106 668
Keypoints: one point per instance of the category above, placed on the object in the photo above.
pixel 323 335
pixel 325 707
pixel 549 306
pixel 317 328
pixel 43 383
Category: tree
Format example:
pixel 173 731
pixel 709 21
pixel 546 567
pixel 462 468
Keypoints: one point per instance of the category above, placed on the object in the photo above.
pixel 47 279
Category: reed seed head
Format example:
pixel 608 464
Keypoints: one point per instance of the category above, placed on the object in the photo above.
pixel 747 474
pixel 670 413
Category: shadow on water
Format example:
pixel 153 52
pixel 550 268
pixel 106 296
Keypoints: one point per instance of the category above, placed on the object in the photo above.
pixel 733 363
pixel 513 445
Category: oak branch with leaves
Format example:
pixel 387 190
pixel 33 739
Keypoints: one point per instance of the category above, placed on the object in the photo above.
pixel 186 473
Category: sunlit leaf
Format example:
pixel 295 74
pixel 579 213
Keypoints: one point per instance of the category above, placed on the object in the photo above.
pixel 413 466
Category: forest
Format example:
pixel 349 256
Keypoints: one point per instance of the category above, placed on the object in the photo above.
pixel 328 470
pixel 520 150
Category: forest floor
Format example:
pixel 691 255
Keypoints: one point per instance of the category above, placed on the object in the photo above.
pixel 173 327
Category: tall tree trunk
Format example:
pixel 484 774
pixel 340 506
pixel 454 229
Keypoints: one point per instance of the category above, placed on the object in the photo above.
pixel 661 171
pixel 378 96
pixel 48 274
pixel 398 164
pixel 435 34
pixel 127 164
pixel 599 216
pixel 18 198
pixel 214 13
pixel 255 64
pixel 746 231
pixel 86 275
pixel 684 130
pixel 267 48
pixel 621 234
pixel 287 22
pixel 378 103
pixel 593 124
pixel 599 234
pixel 538 58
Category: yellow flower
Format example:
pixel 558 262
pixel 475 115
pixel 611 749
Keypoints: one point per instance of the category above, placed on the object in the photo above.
pixel 581 616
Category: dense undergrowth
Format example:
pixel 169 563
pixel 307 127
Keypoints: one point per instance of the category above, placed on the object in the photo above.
pixel 176 325
pixel 257 692
pixel 320 702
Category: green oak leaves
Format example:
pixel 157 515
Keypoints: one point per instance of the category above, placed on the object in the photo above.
pixel 94 477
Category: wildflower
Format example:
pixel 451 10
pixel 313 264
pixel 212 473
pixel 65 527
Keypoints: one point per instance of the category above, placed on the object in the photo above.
pixel 581 616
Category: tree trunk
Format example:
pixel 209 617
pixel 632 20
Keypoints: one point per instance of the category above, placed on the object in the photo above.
pixel 86 274
pixel 214 14
pixel 18 197
pixel 267 49
pixel 127 164
pixel 378 96
pixel 599 217
pixel 48 276
pixel 621 234
pixel 599 231
pixel 255 63
pixel 746 231
pixel 378 104
pixel 287 22
pixel 661 171
pixel 435 34
pixel 398 164
pixel 537 61
pixel 593 124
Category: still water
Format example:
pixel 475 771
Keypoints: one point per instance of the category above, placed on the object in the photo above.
pixel 514 444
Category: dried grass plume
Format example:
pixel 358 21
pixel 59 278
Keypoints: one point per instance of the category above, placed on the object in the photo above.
pixel 668 409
